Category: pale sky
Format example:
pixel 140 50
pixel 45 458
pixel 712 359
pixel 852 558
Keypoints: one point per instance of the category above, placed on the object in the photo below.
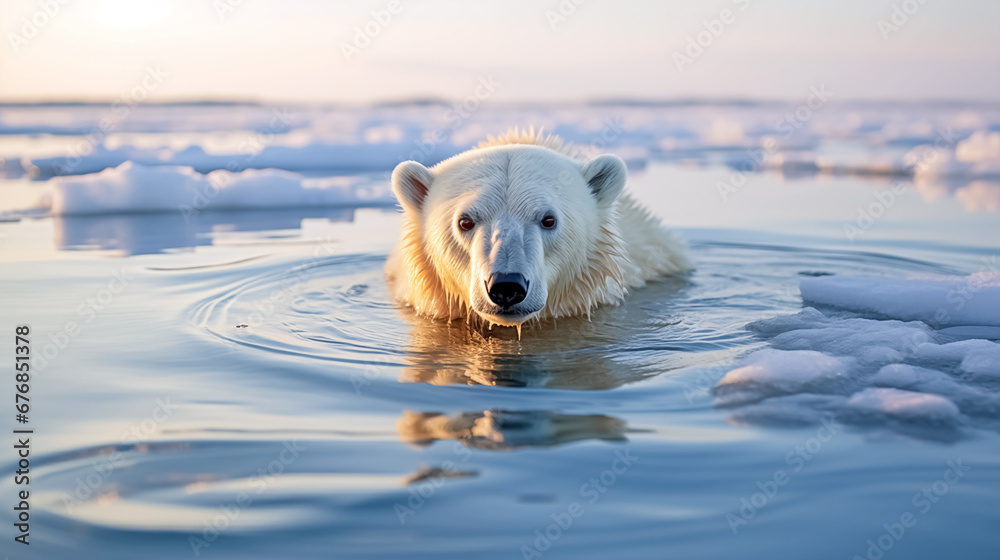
pixel 293 50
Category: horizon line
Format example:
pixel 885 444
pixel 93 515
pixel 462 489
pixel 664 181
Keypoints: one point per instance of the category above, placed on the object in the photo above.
pixel 437 100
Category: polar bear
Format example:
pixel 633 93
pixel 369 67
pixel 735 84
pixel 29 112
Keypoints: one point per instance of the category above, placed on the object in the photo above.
pixel 523 228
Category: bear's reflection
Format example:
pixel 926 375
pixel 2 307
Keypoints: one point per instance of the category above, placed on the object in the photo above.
pixel 507 429
pixel 618 345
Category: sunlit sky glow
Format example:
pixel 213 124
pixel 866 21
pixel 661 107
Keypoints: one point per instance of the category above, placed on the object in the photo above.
pixel 292 50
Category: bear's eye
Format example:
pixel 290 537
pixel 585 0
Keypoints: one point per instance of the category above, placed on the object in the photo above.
pixel 549 222
pixel 466 223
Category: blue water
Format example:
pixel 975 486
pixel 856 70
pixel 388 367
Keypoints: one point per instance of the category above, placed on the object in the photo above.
pixel 246 389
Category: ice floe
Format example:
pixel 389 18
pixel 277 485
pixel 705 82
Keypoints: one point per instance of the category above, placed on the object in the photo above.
pixel 132 187
pixel 936 300
pixel 315 156
pixel 919 352
pixel 931 141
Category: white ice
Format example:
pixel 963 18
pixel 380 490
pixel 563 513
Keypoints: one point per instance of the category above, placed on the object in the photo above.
pixel 876 354
pixel 936 300
pixel 132 187
pixel 920 141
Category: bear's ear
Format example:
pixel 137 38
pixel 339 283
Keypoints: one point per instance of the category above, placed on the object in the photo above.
pixel 410 183
pixel 605 175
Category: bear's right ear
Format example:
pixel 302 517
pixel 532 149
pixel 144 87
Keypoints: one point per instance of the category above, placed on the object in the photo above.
pixel 410 183
pixel 605 175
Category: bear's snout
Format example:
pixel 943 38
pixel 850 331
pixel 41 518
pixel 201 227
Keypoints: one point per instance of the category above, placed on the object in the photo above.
pixel 507 289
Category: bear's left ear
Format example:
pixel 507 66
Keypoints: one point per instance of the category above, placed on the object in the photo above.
pixel 410 183
pixel 605 175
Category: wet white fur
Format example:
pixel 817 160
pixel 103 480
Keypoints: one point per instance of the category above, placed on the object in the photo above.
pixel 603 245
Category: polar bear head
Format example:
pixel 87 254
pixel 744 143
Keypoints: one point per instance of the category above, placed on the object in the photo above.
pixel 509 232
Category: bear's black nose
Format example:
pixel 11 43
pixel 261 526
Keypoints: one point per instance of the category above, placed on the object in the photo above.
pixel 507 289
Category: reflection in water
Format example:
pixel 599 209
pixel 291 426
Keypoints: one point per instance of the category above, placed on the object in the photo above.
pixel 508 429
pixel 977 196
pixel 570 353
pixel 139 234
pixel 436 474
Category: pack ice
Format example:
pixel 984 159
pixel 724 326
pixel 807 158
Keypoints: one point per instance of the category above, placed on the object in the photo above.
pixel 918 354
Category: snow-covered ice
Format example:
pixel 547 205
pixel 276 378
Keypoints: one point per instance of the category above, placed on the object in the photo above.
pixel 313 156
pixel 929 141
pixel 875 354
pixel 132 187
pixel 903 405
pixel 936 300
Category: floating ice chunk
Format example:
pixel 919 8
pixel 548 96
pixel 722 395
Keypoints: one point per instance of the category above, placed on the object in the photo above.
pixel 970 399
pixel 725 132
pixel 771 372
pixel 924 162
pixel 903 376
pixel 905 372
pixel 929 161
pixel 951 355
pixel 875 342
pixel 872 343
pixel 127 188
pixel 132 187
pixel 937 300
pixel 314 156
pixel 983 362
pixel 904 405
pixel 979 147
